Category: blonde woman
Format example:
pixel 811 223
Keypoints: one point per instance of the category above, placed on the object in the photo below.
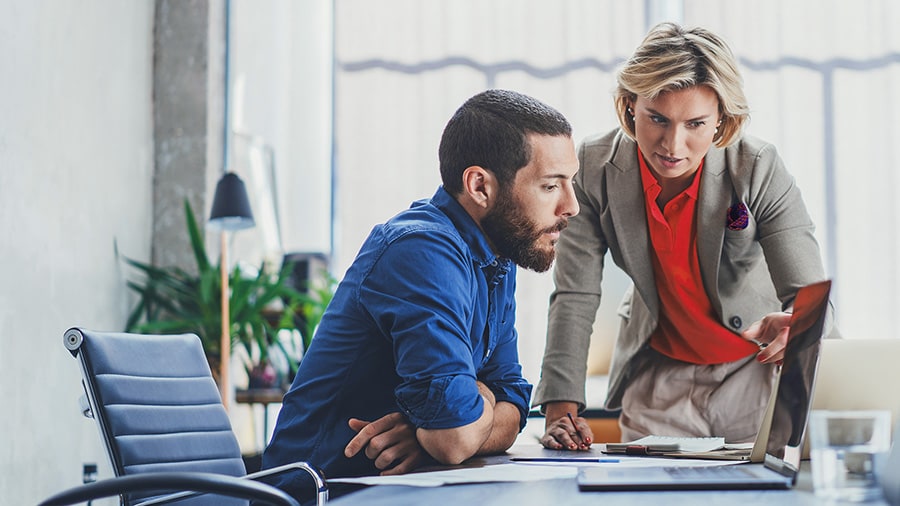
pixel 713 232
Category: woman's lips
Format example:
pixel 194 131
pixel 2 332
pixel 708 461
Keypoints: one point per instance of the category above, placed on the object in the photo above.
pixel 668 162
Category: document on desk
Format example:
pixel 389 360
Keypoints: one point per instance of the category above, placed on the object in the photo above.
pixel 486 474
pixel 662 445
pixel 620 462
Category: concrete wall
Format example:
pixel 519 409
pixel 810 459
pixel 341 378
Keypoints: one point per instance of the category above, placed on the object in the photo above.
pixel 111 113
pixel 76 169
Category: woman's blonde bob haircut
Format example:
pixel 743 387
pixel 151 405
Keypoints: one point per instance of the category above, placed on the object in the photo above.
pixel 675 58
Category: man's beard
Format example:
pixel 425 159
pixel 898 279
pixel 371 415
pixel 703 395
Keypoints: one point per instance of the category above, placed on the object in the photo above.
pixel 516 236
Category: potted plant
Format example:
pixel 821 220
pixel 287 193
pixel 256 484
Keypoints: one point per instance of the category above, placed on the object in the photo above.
pixel 172 300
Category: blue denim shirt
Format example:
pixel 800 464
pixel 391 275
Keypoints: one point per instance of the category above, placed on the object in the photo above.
pixel 424 311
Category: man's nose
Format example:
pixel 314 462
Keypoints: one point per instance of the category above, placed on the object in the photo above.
pixel 569 205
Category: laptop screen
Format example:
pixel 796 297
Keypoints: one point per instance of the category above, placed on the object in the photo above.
pixel 796 380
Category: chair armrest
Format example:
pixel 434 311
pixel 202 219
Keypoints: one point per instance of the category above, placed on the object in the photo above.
pixel 199 482
pixel 317 475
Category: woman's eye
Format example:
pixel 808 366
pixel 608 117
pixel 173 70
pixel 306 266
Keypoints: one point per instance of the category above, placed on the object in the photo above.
pixel 658 119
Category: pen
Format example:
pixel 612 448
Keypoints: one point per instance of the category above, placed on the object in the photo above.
pixel 576 428
pixel 565 459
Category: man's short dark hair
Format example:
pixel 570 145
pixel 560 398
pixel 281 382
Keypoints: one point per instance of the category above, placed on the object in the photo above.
pixel 489 130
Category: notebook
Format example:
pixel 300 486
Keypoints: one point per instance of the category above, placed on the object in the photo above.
pixel 782 429
pixel 666 445
pixel 707 448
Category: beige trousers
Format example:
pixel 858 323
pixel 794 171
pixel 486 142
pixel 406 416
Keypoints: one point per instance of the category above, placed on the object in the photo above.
pixel 668 397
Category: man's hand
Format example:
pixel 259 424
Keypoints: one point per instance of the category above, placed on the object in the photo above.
pixel 560 434
pixel 390 441
pixel 771 335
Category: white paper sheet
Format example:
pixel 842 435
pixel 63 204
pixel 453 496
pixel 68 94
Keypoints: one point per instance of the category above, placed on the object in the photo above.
pixel 486 474
pixel 518 471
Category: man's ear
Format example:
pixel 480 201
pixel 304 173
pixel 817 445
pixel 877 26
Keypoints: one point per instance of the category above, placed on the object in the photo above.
pixel 479 186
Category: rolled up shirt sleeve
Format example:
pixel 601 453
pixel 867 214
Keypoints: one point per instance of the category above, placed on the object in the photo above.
pixel 503 375
pixel 442 403
pixel 422 294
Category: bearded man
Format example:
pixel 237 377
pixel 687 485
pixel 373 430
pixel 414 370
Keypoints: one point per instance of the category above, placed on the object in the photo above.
pixel 415 359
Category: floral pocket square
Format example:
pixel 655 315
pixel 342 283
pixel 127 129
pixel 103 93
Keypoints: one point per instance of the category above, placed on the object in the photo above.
pixel 738 217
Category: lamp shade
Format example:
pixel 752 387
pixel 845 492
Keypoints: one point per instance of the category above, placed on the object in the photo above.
pixel 231 207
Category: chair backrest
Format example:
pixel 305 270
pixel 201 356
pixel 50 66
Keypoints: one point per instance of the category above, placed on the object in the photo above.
pixel 155 402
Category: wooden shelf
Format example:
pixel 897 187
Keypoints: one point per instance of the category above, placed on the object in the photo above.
pixel 259 395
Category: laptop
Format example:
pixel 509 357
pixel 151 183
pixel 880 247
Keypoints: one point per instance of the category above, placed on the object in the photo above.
pixel 783 427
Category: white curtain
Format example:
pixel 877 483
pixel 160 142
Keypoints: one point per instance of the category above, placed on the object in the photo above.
pixel 820 77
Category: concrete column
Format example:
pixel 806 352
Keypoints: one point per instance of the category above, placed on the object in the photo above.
pixel 188 104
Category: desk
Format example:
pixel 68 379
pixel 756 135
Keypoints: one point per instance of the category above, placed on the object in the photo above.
pixel 565 492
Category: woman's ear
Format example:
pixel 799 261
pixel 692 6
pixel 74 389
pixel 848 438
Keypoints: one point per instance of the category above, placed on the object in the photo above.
pixel 479 186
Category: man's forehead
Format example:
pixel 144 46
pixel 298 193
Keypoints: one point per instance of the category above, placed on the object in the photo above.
pixel 552 156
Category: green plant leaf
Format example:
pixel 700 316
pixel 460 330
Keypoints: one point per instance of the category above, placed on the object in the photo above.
pixel 196 239
pixel 172 300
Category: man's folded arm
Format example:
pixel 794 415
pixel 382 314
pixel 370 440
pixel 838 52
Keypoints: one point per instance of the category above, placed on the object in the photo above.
pixel 493 432
pixel 504 430
pixel 454 445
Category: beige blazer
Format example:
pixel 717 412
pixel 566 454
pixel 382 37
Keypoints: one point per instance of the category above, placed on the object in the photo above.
pixel 747 273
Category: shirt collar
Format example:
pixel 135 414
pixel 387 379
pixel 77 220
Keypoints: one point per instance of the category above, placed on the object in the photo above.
pixel 468 229
pixel 649 181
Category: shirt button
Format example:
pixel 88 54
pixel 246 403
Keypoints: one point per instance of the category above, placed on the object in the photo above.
pixel 736 322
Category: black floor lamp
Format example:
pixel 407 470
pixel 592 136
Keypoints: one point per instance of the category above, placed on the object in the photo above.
pixel 230 212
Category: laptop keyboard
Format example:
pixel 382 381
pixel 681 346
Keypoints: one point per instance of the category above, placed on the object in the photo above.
pixel 705 472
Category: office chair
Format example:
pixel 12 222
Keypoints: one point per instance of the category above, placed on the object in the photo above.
pixel 159 411
pixel 220 484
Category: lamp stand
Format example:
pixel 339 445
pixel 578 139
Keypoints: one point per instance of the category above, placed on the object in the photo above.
pixel 225 344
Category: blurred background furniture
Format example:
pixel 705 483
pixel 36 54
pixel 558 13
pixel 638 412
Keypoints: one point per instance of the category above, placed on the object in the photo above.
pixel 263 397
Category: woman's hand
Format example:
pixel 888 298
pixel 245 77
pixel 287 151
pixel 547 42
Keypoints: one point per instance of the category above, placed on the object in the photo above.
pixel 771 335
pixel 560 433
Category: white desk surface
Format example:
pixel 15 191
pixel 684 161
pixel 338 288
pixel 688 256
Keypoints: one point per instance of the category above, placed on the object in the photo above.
pixel 565 491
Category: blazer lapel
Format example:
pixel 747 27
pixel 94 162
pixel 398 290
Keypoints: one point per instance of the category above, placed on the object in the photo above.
pixel 626 204
pixel 712 206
